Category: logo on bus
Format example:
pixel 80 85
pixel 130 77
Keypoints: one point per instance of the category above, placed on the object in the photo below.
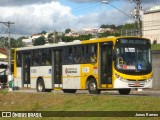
pixel 70 70
pixel 66 71
pixel 139 66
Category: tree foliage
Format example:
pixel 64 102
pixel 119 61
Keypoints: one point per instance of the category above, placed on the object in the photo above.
pixel 68 30
pixel 43 32
pixel 14 43
pixel 125 26
pixel 108 26
pixel 71 38
pixel 39 41
pixel 51 38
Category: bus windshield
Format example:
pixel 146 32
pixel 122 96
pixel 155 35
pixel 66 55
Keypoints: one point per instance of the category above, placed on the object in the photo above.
pixel 133 58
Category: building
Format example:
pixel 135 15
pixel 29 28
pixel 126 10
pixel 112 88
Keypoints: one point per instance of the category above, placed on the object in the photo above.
pixel 102 30
pixel 95 31
pixel 72 33
pixel 91 31
pixel 3 54
pixel 29 41
pixel 151 24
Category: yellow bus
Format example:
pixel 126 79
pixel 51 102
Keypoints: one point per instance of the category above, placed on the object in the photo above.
pixel 112 63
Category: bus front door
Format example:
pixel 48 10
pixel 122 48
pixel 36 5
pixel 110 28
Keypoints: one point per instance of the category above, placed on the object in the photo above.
pixel 57 68
pixel 26 69
pixel 105 63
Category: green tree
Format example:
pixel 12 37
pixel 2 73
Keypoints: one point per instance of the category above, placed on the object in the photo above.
pixel 70 38
pixel 19 42
pixel 51 38
pixel 67 38
pixel 43 32
pixel 84 37
pixel 129 26
pixel 104 26
pixel 39 41
pixel 68 30
pixel 112 26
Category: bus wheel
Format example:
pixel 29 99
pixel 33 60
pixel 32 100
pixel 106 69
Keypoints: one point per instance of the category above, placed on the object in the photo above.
pixel 124 91
pixel 40 85
pixel 69 90
pixel 92 87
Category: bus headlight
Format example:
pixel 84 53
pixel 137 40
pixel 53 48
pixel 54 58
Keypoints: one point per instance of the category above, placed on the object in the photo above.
pixel 120 78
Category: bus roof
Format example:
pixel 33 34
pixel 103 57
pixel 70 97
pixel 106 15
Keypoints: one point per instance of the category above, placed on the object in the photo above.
pixel 76 42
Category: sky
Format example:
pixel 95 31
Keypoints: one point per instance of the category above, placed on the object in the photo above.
pixel 34 16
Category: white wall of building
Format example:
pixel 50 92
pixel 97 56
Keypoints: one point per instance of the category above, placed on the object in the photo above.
pixel 151 24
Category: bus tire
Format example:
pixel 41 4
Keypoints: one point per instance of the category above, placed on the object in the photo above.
pixel 124 91
pixel 92 87
pixel 40 85
pixel 69 90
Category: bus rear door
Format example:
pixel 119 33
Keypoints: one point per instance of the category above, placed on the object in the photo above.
pixel 57 68
pixel 26 57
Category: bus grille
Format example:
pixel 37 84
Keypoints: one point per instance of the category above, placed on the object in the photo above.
pixel 136 84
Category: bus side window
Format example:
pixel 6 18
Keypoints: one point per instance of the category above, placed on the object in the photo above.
pixel 93 55
pixel 65 56
pixel 46 57
pixel 89 53
pixel 70 60
pixel 37 58
pixel 19 59
pixel 79 54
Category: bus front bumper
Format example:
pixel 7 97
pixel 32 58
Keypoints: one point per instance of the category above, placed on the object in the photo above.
pixel 124 83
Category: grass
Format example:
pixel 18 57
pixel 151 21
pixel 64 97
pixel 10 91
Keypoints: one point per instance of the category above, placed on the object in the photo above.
pixel 155 47
pixel 14 101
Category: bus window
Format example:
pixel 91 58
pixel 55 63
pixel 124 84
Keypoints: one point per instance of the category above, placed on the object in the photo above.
pixel 37 58
pixel 82 54
pixel 19 59
pixel 65 56
pixel 93 56
pixel 46 57
pixel 90 54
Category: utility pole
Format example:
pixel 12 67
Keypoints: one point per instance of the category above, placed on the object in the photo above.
pixel 8 24
pixel 137 16
pixel 54 36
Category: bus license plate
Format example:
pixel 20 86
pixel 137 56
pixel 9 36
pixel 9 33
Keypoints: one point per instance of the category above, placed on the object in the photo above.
pixel 136 84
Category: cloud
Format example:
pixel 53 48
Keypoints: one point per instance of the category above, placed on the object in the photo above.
pixel 34 18
pixel 22 2
pixel 82 1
